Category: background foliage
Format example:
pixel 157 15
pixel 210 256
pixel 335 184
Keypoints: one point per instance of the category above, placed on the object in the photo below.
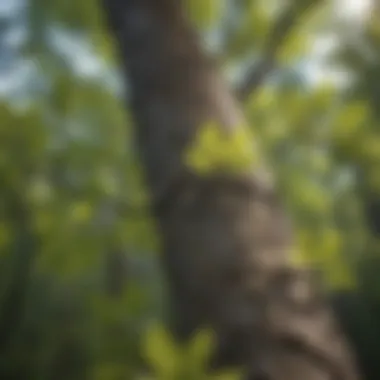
pixel 79 279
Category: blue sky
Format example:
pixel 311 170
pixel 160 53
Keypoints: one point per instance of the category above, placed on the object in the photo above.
pixel 15 73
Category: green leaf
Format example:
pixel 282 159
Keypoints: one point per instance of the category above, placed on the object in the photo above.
pixel 205 13
pixel 215 150
pixel 201 347
pixel 253 31
pixel 349 120
pixel 160 351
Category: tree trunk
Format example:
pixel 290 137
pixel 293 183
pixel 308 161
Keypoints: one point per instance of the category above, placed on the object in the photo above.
pixel 225 239
pixel 21 254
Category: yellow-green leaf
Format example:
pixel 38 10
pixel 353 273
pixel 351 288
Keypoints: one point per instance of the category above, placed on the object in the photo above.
pixel 205 13
pixel 160 351
pixel 216 150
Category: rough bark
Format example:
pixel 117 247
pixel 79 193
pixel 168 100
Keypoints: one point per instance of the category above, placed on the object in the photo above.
pixel 225 239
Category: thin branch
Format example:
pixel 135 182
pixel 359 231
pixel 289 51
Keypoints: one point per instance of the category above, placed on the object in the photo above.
pixel 283 27
pixel 255 77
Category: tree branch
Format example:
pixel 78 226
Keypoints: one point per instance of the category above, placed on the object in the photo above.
pixel 283 27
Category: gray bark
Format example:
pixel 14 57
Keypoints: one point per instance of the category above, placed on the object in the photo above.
pixel 225 239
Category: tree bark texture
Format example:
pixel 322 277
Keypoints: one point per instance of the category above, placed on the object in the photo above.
pixel 225 239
